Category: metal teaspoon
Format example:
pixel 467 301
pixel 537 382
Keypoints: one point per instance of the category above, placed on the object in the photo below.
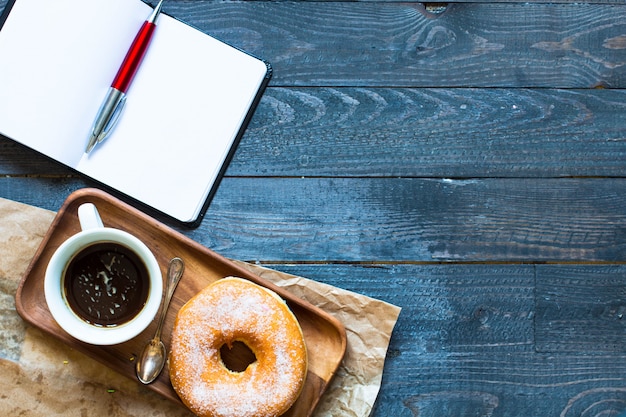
pixel 152 358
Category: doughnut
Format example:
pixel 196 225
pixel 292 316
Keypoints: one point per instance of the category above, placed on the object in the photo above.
pixel 236 310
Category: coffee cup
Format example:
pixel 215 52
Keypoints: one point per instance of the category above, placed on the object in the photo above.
pixel 103 286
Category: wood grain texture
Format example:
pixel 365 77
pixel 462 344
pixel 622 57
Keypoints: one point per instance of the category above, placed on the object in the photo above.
pixel 399 44
pixel 580 308
pixel 453 308
pixel 457 133
pixel 419 220
pixel 404 44
pixel 411 132
pixel 465 343
pixel 398 219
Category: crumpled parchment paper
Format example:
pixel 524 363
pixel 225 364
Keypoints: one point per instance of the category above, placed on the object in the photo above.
pixel 40 376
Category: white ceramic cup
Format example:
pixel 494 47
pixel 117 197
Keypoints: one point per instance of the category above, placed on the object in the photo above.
pixel 93 232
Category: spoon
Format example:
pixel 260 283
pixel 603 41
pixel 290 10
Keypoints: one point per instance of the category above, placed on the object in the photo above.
pixel 152 358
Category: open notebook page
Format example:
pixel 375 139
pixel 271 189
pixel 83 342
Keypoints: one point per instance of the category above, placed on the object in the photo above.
pixel 183 112
pixel 57 56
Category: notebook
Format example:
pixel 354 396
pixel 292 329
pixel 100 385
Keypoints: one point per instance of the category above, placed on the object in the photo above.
pixel 185 112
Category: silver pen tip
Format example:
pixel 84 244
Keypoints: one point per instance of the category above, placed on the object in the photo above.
pixel 92 143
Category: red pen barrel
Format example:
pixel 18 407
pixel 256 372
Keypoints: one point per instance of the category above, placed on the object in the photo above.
pixel 133 58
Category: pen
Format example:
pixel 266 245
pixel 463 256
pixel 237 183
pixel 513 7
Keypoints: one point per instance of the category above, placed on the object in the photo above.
pixel 112 106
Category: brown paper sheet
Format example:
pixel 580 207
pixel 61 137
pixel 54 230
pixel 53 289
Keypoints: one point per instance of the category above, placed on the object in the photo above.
pixel 40 376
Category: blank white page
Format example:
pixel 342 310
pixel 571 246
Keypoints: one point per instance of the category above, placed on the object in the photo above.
pixel 56 55
pixel 184 109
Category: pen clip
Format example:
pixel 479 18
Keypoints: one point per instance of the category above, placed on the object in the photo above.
pixel 115 116
pixel 107 117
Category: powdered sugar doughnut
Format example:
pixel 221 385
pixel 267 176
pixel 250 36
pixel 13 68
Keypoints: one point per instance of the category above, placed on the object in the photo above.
pixel 236 310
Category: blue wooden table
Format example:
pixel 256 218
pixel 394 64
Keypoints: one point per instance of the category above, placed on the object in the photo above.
pixel 465 161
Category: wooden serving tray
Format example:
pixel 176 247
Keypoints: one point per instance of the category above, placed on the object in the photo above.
pixel 324 335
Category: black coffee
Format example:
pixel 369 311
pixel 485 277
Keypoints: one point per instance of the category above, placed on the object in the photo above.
pixel 106 284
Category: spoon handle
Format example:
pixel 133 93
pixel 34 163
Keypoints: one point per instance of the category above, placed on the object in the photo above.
pixel 174 273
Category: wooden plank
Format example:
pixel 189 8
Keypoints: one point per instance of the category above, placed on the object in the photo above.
pixel 355 132
pixel 46 193
pixel 451 308
pixel 419 220
pixel 430 133
pixel 464 343
pixel 398 44
pixel 436 7
pixel 581 308
pixel 487 383
pixel 398 219
pixel 401 44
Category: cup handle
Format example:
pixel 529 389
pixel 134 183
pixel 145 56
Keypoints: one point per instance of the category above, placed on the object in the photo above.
pixel 89 217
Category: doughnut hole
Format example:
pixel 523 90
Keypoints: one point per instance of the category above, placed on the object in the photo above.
pixel 237 357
